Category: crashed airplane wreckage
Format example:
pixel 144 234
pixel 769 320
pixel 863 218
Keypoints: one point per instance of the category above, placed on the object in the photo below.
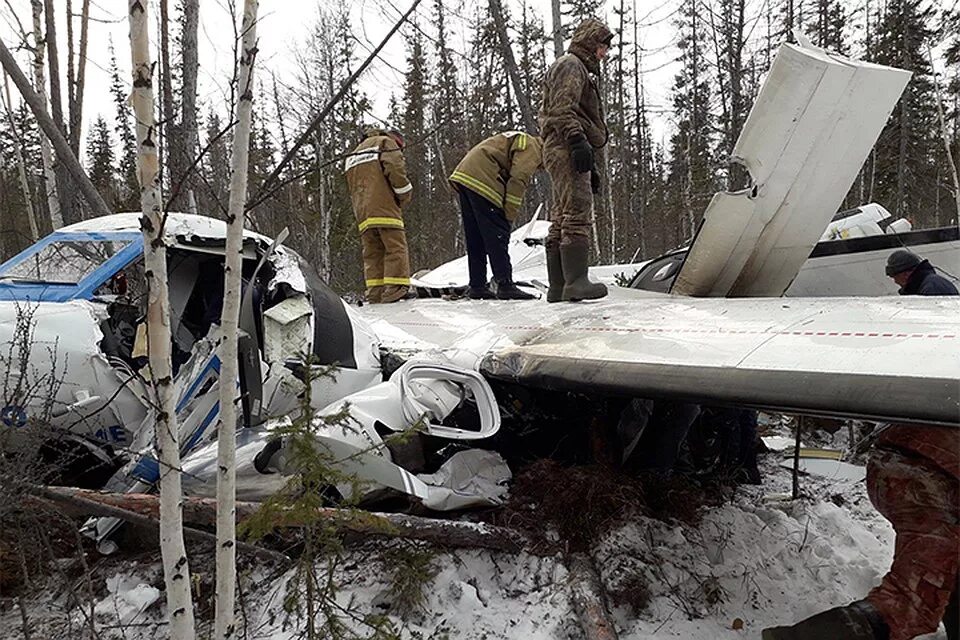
pixel 76 298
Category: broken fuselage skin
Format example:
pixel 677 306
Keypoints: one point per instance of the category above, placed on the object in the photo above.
pixel 71 313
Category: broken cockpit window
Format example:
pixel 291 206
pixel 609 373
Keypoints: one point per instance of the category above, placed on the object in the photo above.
pixel 64 261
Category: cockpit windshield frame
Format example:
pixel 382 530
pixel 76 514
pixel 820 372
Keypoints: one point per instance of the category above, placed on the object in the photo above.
pixel 13 288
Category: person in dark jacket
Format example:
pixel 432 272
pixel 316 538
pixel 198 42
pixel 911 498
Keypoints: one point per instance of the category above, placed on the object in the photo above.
pixel 913 479
pixel 573 129
pixel 490 182
pixel 916 276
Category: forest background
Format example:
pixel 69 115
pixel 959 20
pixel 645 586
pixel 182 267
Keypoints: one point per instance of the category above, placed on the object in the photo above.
pixel 677 86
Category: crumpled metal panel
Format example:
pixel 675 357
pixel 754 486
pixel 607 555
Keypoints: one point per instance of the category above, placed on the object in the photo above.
pixel 811 128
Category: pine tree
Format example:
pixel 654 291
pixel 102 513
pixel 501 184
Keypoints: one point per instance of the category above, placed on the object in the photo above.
pixel 420 217
pixel 691 175
pixel 826 29
pixel 100 159
pixel 907 152
pixel 128 188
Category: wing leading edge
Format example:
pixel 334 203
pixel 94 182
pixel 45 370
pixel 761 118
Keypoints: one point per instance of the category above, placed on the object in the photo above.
pixel 883 358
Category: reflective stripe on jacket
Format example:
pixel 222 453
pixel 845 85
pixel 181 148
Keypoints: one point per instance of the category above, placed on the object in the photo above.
pixel 499 169
pixel 377 180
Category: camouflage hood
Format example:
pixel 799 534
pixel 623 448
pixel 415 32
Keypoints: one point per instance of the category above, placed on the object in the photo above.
pixel 589 35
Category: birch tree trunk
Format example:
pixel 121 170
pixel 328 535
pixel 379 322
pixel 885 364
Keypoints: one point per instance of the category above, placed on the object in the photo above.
pixel 52 132
pixel 40 84
pixel 229 323
pixel 176 571
pixel 21 164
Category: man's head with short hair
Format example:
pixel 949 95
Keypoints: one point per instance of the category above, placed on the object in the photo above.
pixel 900 265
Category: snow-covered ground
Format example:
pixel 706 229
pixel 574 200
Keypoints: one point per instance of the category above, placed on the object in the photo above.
pixel 756 561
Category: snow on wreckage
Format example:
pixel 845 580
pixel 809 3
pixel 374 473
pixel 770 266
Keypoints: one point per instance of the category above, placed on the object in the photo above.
pixel 83 287
pixel 80 293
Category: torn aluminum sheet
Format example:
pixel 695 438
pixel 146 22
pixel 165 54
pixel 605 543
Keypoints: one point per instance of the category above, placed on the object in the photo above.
pixel 417 397
pixel 465 477
pixel 814 122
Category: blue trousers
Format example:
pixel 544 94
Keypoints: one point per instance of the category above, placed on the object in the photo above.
pixel 487 232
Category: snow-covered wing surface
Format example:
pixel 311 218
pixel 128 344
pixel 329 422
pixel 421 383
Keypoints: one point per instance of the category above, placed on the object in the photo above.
pixel 523 256
pixel 809 131
pixel 885 358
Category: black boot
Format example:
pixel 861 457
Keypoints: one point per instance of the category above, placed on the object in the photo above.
pixel 577 285
pixel 856 621
pixel 480 293
pixel 554 275
pixel 509 291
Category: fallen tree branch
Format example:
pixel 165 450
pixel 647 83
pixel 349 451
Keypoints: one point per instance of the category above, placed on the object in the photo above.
pixel 586 593
pixel 202 512
pixel 80 502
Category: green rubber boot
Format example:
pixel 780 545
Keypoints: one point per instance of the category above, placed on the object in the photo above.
pixel 577 285
pixel 856 621
pixel 554 275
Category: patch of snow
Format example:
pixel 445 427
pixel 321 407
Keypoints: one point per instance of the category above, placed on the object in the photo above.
pixel 127 598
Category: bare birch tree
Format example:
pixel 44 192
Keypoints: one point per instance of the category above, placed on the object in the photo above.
pixel 40 85
pixel 176 571
pixel 229 323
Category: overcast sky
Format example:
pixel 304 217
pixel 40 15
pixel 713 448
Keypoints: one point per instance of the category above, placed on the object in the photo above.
pixel 284 24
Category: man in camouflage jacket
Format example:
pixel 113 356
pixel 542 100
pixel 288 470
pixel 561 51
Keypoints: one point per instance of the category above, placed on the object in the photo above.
pixel 572 126
pixel 379 189
pixel 490 181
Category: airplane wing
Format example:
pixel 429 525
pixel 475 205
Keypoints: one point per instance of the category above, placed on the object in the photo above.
pixel 814 122
pixel 895 359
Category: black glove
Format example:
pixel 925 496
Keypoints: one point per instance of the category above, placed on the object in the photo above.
pixel 581 152
pixel 594 181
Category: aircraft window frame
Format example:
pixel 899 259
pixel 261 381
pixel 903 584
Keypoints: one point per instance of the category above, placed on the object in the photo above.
pixel 12 289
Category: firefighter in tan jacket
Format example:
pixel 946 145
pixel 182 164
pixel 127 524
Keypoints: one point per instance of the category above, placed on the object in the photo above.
pixel 490 181
pixel 379 189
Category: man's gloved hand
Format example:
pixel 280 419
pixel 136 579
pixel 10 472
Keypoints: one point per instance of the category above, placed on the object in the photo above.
pixel 581 152
pixel 594 181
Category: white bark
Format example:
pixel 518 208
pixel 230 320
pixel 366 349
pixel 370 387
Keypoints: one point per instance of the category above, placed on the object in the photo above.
pixel 21 164
pixel 176 570
pixel 229 323
pixel 40 85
